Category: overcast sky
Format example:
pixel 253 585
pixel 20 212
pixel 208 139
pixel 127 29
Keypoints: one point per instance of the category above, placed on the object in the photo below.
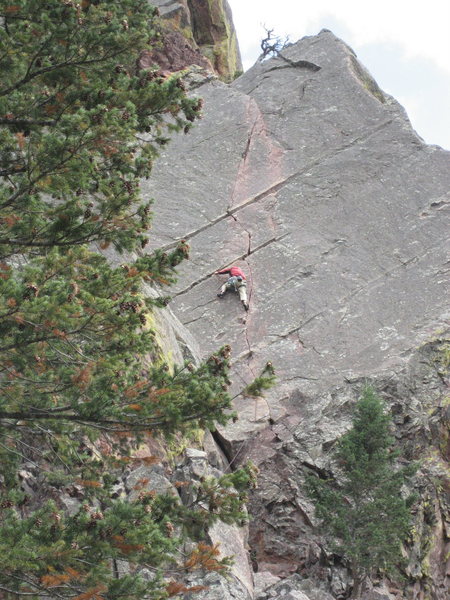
pixel 404 44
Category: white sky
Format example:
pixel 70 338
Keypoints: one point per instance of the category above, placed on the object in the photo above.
pixel 405 44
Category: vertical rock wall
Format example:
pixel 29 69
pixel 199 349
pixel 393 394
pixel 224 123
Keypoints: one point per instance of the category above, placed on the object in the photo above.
pixel 199 32
pixel 305 174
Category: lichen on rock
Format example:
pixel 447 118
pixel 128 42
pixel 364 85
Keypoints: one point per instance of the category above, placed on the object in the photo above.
pixel 198 32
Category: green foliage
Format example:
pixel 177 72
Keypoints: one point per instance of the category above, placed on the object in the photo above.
pixel 80 123
pixel 365 510
pixel 263 382
pixel 82 382
pixel 66 554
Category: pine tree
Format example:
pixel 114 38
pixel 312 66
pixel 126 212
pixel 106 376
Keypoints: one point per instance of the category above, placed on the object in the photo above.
pixel 80 125
pixel 365 510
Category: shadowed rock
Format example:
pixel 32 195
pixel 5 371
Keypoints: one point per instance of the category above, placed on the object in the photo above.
pixel 198 32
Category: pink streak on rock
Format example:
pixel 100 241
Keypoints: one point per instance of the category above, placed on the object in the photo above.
pixel 262 160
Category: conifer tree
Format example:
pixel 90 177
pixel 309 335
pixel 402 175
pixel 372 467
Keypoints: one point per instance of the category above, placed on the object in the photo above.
pixel 365 510
pixel 80 125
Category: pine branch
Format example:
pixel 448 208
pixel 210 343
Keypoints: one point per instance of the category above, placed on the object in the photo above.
pixel 77 63
pixel 26 122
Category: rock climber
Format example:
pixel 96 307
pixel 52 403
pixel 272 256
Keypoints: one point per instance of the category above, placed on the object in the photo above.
pixel 236 282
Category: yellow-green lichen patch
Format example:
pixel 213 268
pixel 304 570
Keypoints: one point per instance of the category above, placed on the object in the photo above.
pixel 178 443
pixel 367 80
pixel 214 33
pixel 444 357
pixel 163 354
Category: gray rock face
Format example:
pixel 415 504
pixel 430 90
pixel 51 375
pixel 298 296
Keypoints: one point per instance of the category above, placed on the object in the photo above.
pixel 294 588
pixel 331 204
pixel 218 587
pixel 305 174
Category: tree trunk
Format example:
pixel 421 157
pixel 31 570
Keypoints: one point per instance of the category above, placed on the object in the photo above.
pixel 359 581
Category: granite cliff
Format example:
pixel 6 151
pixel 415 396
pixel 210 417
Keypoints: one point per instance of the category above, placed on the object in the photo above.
pixel 311 178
